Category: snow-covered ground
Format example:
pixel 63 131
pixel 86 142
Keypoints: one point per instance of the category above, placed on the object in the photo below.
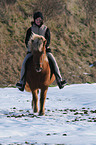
pixel 70 117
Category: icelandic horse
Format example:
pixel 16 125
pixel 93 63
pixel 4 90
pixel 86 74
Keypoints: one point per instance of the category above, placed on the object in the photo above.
pixel 38 72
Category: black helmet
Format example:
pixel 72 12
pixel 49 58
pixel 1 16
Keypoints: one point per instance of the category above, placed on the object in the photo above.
pixel 38 14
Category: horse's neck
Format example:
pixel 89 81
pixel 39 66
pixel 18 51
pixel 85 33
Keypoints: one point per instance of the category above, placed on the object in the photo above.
pixel 46 58
pixel 46 62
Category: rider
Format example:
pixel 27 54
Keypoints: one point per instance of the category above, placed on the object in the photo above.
pixel 39 28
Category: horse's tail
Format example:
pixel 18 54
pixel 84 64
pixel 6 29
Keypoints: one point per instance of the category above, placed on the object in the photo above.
pixel 27 88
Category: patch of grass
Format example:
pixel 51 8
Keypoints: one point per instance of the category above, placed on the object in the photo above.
pixel 52 85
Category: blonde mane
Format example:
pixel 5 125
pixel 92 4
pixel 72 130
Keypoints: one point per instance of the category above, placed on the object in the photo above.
pixel 33 37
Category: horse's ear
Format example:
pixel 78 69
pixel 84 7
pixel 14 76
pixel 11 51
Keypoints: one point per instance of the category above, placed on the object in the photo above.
pixel 45 41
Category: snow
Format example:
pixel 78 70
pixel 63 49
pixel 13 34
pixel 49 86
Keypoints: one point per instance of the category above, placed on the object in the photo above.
pixel 70 117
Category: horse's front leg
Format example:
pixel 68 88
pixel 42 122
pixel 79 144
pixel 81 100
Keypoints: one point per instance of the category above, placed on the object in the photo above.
pixel 35 101
pixel 42 101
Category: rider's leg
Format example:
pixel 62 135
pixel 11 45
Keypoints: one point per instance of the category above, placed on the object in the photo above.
pixel 56 70
pixel 22 82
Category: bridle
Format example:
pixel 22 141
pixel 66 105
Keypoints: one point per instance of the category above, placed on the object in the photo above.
pixel 37 45
pixel 40 64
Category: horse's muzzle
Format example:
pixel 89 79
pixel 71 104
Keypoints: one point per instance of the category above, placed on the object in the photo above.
pixel 38 69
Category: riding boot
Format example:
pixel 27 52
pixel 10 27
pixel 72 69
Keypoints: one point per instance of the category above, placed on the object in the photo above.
pixel 21 85
pixel 56 71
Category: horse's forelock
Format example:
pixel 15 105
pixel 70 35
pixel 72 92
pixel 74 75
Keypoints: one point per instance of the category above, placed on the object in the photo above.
pixel 35 36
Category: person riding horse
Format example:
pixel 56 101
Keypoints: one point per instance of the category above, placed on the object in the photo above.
pixel 39 28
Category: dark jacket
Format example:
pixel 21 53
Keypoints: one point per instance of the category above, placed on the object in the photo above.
pixel 47 37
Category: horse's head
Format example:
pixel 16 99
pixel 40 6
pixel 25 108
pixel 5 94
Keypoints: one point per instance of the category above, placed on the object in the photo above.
pixel 37 46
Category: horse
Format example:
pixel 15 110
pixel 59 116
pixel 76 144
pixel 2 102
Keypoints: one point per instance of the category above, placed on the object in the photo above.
pixel 38 75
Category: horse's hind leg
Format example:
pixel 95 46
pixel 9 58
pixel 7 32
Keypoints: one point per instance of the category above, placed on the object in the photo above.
pixel 42 101
pixel 35 101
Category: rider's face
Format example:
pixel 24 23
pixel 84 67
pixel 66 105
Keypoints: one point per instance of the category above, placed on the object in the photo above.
pixel 38 21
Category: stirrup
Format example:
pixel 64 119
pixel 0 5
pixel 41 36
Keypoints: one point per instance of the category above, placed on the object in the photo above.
pixel 20 86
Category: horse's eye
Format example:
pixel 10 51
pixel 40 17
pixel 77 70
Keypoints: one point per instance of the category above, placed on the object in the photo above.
pixel 32 40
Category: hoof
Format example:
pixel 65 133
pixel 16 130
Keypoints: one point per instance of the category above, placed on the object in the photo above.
pixel 36 111
pixel 41 113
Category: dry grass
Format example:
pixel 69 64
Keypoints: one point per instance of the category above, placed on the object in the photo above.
pixel 72 41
